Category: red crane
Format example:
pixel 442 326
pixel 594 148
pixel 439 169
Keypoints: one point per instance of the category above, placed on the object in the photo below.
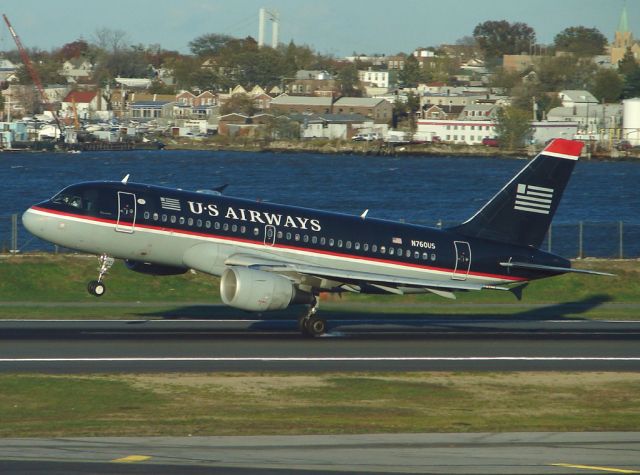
pixel 34 74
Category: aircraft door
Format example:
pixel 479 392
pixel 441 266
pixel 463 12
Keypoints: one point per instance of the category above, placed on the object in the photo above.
pixel 269 235
pixel 463 260
pixel 126 212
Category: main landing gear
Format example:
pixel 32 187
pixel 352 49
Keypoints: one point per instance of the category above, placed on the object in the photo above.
pixel 97 287
pixel 311 325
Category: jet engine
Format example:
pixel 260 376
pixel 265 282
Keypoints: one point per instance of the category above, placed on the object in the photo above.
pixel 153 269
pixel 259 291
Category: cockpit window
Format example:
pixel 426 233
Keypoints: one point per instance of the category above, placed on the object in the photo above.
pixel 77 198
pixel 69 199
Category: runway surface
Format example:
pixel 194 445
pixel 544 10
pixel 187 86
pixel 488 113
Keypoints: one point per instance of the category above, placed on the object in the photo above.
pixel 480 453
pixel 467 344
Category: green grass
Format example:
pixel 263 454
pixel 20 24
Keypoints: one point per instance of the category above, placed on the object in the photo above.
pixel 54 286
pixel 274 403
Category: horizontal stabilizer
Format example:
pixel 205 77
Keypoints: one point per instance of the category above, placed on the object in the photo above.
pixel 551 269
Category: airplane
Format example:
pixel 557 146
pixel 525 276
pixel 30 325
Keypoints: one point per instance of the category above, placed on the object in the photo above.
pixel 270 256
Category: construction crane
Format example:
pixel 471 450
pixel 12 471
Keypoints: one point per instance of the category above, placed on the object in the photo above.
pixel 34 75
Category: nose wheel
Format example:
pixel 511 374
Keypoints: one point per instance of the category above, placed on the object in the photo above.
pixel 97 287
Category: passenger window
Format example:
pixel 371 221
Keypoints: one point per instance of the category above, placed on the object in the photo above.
pixel 155 216
pixel 225 227
pixel 199 223
pixel 314 239
pixel 356 246
pixel 305 238
pixel 234 228
pixel 416 255
pixel 433 257
pixel 181 220
pixel 425 256
pixel 339 242
pixel 243 229
pixel 173 219
pixel 146 215
pixel 190 221
pixel 365 247
pixel 323 241
pixel 256 231
pixel 331 242
pixel 392 251
pixel 374 248
pixel 408 253
pixel 207 224
pixel 348 245
pixel 383 250
pixel 164 218
pixel 216 225
pixel 288 236
pixel 279 234
pixel 297 237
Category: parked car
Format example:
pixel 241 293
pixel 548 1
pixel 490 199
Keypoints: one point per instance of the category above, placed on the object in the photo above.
pixel 366 137
pixel 623 145
pixel 489 142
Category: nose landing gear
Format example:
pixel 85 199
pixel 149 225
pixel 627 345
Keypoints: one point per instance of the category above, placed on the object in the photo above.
pixel 97 287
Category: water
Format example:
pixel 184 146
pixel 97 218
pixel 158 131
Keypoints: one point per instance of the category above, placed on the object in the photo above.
pixel 415 189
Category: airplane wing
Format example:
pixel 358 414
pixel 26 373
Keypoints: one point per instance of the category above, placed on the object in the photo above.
pixel 353 281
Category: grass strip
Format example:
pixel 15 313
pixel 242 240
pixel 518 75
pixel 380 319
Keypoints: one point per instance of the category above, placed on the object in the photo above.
pixel 331 403
pixel 30 286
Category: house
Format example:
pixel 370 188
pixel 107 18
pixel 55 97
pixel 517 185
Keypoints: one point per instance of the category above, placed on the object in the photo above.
pixel 478 112
pixel 151 109
pixel 442 112
pixel 318 83
pixel 380 110
pixel 334 126
pixel 286 104
pixel 571 98
pixel 82 104
pixel 590 117
pixel 235 124
pixel 76 70
pixel 7 71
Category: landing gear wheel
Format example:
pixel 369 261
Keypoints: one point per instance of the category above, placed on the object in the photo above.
pixel 96 288
pixel 316 326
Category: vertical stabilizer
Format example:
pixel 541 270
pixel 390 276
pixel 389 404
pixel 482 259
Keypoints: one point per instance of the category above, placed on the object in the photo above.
pixel 522 211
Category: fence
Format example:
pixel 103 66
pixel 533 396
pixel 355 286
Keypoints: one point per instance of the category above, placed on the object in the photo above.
pixel 584 239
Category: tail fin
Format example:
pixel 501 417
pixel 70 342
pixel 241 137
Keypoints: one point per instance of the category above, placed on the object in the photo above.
pixel 522 211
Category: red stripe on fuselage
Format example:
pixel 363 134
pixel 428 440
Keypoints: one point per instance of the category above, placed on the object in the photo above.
pixel 90 219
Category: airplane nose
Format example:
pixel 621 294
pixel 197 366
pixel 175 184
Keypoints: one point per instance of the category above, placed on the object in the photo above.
pixel 30 221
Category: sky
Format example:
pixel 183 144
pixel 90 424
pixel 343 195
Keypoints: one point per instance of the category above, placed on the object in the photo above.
pixel 335 27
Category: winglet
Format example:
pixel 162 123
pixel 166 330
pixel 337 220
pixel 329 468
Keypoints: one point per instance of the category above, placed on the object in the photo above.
pixel 125 179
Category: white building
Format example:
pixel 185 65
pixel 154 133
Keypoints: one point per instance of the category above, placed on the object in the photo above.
pixel 470 132
pixel 374 78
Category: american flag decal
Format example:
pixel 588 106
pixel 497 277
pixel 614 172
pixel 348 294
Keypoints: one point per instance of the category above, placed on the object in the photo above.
pixel 396 240
pixel 170 204
pixel 534 199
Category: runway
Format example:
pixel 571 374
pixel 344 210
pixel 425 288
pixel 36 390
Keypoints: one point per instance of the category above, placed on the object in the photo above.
pixel 479 453
pixel 419 344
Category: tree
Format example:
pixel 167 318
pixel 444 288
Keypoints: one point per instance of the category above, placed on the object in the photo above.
pixel 581 41
pixel 209 45
pixel 349 80
pixel 239 103
pixel 74 49
pixel 607 85
pixel 410 76
pixel 630 71
pixel 497 38
pixel 513 126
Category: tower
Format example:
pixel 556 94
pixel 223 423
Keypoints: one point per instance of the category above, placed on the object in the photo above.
pixel 274 17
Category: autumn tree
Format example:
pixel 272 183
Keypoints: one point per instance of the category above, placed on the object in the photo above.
pixel 497 38
pixel 581 41
pixel 75 49
pixel 239 103
pixel 209 45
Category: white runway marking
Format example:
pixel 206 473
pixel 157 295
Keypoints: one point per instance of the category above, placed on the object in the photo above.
pixel 320 359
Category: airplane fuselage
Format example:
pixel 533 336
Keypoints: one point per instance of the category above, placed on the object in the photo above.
pixel 201 231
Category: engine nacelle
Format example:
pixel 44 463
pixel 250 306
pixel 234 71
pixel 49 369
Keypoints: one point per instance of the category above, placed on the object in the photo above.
pixel 258 291
pixel 153 269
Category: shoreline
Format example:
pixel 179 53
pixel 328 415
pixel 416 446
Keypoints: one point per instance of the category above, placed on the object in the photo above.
pixel 381 149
